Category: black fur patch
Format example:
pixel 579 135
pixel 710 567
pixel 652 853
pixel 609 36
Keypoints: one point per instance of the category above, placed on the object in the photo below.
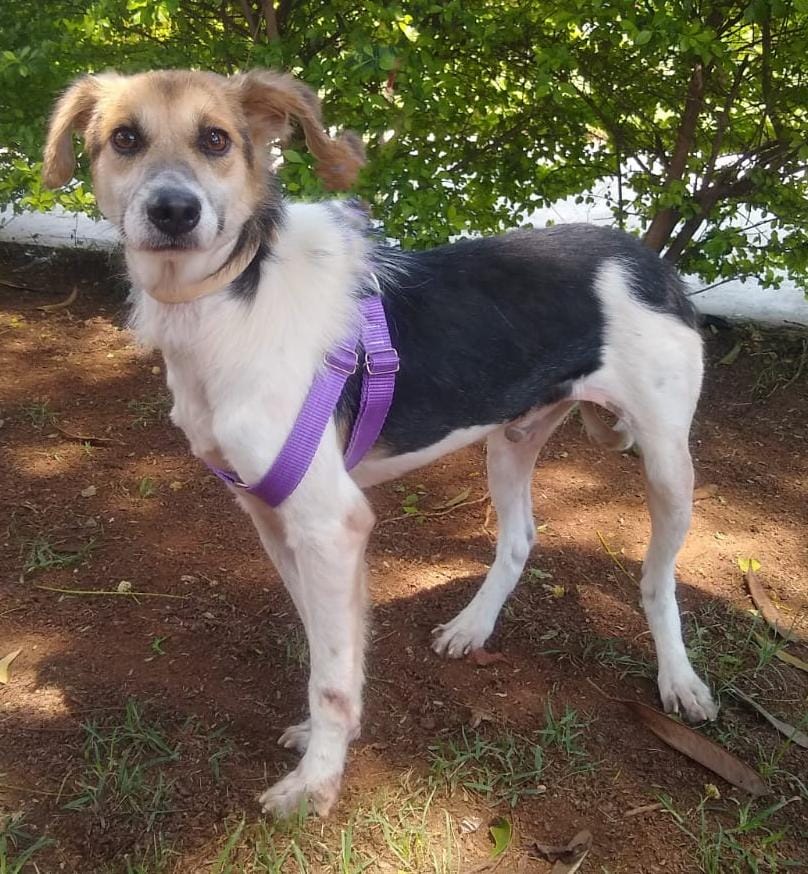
pixel 258 229
pixel 490 328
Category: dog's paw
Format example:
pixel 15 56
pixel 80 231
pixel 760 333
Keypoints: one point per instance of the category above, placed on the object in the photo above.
pixel 682 691
pixel 467 631
pixel 287 795
pixel 296 737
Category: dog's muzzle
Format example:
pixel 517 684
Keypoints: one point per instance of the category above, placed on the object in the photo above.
pixel 174 211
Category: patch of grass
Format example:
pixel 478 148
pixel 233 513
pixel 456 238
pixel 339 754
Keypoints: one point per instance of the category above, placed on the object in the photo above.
pixel 17 846
pixel 45 553
pixel 123 774
pixel 399 829
pixel 508 767
pixel 149 411
pixel 295 646
pixel 613 654
pixel 505 769
pixel 38 413
pixel 746 840
pixel 147 487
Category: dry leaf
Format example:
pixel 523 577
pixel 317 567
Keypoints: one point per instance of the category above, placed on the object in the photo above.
pixel 702 493
pixel 470 824
pixel 5 664
pixel 747 564
pixel 478 716
pixel 457 499
pixel 770 613
pixel 482 658
pixel 697 747
pixel 800 738
pixel 784 655
pixel 88 492
pixel 568 858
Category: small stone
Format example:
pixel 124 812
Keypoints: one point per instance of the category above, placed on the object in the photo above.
pixel 88 492
pixel 124 587
pixel 156 370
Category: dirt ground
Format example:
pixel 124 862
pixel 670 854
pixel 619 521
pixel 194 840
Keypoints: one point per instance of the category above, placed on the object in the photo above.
pixel 137 731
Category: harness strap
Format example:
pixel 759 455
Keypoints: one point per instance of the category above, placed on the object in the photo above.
pixel 378 381
pixel 381 363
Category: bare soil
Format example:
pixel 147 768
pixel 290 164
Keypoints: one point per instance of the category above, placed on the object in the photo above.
pixel 226 652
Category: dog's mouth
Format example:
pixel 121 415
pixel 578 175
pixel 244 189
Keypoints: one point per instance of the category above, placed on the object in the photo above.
pixel 168 245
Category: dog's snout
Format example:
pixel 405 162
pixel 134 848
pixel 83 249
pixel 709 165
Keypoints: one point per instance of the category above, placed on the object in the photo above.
pixel 174 211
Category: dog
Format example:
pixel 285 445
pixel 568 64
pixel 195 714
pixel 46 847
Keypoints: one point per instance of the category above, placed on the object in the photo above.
pixel 498 338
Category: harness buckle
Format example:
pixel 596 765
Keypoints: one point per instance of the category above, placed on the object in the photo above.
pixel 342 360
pixel 381 362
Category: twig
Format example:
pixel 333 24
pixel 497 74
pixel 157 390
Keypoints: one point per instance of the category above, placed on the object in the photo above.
pixel 11 610
pixel 613 556
pixel 644 808
pixel 113 592
pixel 63 304
pixel 86 438
pixel 433 513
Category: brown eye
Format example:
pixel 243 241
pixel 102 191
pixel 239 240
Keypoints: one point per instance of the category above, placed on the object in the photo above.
pixel 214 140
pixel 126 140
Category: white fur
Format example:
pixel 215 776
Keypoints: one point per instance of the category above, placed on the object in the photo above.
pixel 238 375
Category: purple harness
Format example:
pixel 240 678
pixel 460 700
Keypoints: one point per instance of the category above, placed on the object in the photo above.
pixel 380 366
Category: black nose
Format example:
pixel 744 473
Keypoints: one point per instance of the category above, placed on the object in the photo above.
pixel 174 211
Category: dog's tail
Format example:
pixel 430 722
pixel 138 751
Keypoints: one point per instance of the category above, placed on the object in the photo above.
pixel 616 438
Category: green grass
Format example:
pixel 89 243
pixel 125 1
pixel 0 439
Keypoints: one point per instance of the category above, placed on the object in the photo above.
pixel 149 411
pixel 38 413
pixel 47 553
pixel 400 829
pixel 123 773
pixel 508 767
pixel 743 840
pixel 17 846
pixel 147 487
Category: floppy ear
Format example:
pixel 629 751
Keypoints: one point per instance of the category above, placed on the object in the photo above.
pixel 271 101
pixel 72 113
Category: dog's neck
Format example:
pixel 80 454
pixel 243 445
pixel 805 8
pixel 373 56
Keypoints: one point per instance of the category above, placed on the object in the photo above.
pixel 168 285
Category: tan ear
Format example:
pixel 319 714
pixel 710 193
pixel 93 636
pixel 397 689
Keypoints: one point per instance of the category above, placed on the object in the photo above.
pixel 272 101
pixel 72 113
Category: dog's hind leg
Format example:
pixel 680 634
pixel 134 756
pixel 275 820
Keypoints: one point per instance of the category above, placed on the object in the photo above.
pixel 510 468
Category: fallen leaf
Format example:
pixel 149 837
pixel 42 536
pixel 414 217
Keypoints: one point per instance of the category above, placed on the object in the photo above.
pixel 470 824
pixel 702 493
pixel 5 664
pixel 86 438
pixel 175 486
pixel 800 738
pixel 478 716
pixel 457 499
pixel 747 564
pixel 482 658
pixel 124 587
pixel 731 356
pixel 697 747
pixel 88 492
pixel 501 832
pixel 769 612
pixel 568 858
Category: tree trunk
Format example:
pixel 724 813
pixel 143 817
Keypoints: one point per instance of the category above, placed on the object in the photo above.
pixel 665 220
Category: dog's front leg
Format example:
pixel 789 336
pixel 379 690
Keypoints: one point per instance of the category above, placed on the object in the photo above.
pixel 320 556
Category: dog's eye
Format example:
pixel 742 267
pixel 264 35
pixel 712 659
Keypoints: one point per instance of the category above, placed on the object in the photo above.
pixel 126 139
pixel 214 140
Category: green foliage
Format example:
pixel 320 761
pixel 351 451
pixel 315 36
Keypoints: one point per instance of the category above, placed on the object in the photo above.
pixel 477 112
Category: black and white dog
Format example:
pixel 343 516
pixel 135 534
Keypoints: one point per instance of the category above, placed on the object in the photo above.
pixel 498 339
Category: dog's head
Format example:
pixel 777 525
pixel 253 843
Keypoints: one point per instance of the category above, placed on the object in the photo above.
pixel 178 158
